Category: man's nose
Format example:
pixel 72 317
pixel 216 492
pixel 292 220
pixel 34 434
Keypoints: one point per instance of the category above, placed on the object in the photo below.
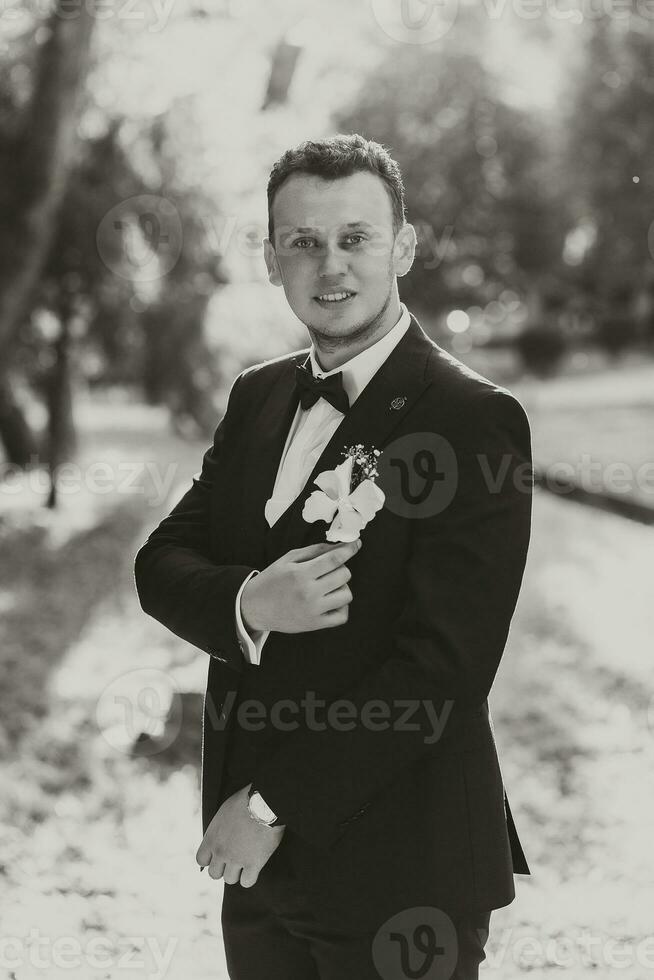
pixel 333 262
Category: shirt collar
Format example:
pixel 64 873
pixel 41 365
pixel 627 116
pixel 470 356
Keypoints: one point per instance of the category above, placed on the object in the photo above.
pixel 358 371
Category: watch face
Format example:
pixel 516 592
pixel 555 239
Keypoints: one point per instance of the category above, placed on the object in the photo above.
pixel 260 808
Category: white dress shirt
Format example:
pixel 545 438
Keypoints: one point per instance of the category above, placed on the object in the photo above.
pixel 310 431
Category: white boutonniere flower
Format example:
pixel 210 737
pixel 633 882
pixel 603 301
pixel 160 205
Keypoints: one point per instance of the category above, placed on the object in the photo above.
pixel 348 495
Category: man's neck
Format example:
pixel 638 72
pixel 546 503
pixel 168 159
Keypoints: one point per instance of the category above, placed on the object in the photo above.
pixel 331 353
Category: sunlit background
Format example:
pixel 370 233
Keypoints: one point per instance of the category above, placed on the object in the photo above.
pixel 135 145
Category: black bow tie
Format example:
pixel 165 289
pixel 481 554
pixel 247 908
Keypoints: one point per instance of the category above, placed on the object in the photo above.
pixel 330 388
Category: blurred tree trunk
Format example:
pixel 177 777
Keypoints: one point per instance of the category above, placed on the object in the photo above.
pixel 282 69
pixel 157 356
pixel 20 445
pixel 62 439
pixel 184 383
pixel 534 303
pixel 35 168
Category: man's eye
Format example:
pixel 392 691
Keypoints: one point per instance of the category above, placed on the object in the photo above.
pixel 354 239
pixel 302 242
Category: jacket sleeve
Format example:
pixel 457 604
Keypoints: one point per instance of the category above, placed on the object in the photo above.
pixel 464 574
pixel 177 581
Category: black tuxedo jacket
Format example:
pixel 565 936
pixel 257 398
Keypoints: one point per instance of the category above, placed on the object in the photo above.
pixel 381 815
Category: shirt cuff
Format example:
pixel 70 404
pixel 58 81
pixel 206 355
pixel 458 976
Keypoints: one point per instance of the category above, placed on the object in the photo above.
pixel 251 644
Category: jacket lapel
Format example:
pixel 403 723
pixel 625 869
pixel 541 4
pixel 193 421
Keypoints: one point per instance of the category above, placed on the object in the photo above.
pixel 261 452
pixel 380 407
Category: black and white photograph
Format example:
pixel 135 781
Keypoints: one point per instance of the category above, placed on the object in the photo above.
pixel 326 489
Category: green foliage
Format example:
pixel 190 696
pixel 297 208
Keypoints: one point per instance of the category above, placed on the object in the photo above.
pixel 475 174
pixel 541 347
pixel 499 194
pixel 126 331
pixel 610 177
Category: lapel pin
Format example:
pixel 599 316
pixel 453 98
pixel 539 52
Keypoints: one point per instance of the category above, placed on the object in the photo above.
pixel 398 403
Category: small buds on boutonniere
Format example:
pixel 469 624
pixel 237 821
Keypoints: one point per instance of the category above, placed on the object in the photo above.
pixel 348 495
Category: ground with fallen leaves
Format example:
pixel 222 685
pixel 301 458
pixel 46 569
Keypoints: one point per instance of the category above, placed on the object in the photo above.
pixel 97 868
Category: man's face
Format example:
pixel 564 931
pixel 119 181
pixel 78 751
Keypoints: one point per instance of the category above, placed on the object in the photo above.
pixel 335 252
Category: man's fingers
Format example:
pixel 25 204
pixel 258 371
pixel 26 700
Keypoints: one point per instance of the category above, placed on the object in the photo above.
pixel 336 599
pixel 249 877
pixel 335 579
pixel 232 873
pixel 311 551
pixel 216 868
pixel 327 562
pixel 335 617
pixel 203 855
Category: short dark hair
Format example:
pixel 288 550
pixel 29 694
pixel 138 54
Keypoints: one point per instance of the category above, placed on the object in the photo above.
pixel 339 156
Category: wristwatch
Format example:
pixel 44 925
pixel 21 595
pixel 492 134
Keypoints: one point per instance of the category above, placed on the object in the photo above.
pixel 260 811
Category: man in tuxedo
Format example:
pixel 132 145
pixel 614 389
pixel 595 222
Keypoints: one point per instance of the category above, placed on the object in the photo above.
pixel 352 798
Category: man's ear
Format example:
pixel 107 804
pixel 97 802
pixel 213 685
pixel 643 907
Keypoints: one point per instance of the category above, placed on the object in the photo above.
pixel 269 254
pixel 404 249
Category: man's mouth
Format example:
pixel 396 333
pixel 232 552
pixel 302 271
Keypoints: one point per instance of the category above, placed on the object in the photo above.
pixel 329 299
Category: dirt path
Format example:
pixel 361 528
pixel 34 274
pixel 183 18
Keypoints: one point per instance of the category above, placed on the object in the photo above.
pixel 97 872
pixel 574 718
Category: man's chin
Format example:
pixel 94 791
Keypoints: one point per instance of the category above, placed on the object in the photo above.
pixel 340 327
pixel 336 322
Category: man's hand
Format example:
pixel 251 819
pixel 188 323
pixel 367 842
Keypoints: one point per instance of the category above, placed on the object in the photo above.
pixel 235 846
pixel 306 589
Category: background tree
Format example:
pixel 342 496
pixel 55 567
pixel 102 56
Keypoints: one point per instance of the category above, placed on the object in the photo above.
pixel 37 150
pixel 177 365
pixel 82 323
pixel 478 179
pixel 124 289
pixel 610 127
